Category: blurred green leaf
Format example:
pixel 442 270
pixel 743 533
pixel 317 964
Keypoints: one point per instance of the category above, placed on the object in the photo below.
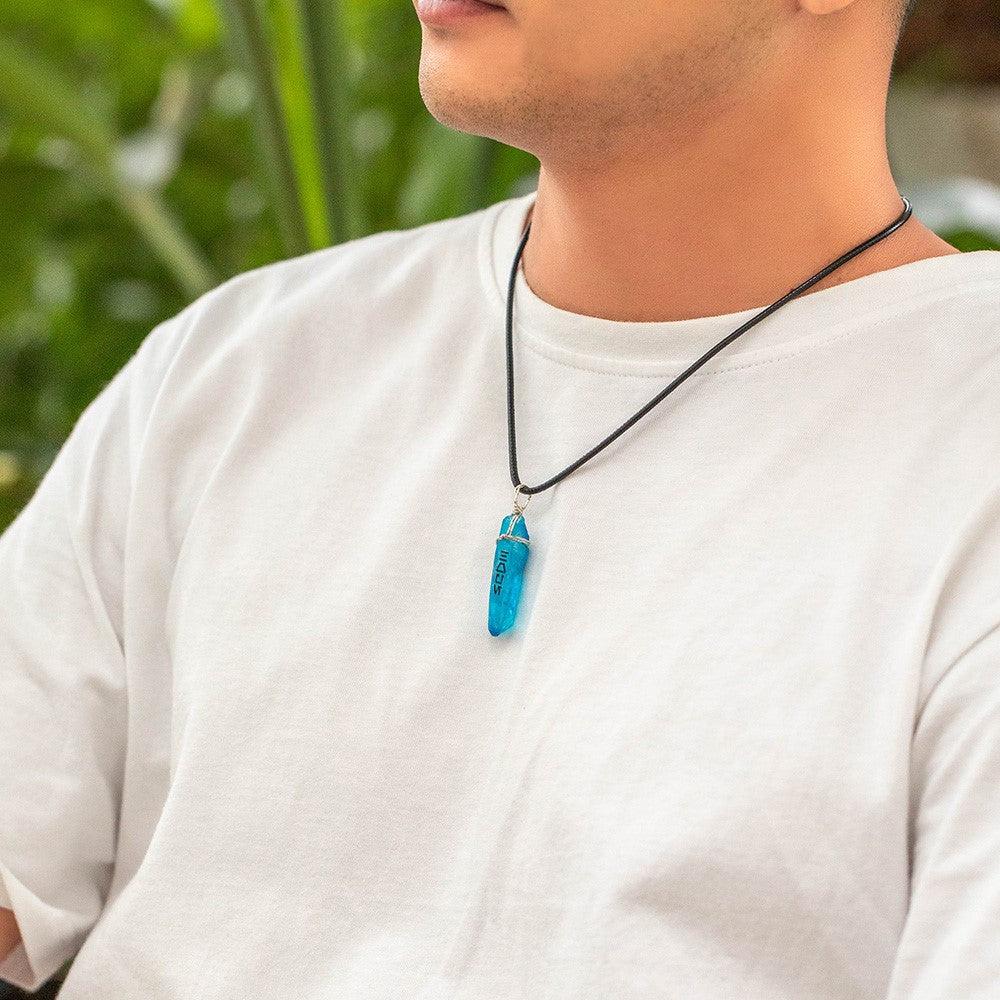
pixel 248 36
pixel 37 91
pixel 295 76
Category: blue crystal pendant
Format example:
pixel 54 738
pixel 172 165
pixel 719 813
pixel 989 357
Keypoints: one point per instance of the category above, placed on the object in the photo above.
pixel 509 561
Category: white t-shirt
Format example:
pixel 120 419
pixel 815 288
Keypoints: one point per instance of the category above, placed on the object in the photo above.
pixel 258 742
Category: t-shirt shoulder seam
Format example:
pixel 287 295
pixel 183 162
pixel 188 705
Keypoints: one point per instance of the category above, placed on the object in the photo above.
pixel 344 251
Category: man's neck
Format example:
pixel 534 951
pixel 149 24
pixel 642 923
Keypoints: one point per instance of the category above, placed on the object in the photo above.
pixel 729 219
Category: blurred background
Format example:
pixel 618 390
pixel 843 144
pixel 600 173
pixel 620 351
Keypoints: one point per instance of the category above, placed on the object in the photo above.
pixel 149 149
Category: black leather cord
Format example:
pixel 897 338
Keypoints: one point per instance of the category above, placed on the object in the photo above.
pixel 798 290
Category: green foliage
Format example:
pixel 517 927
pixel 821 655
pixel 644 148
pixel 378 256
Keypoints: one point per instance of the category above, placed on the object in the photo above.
pixel 151 148
pixel 966 240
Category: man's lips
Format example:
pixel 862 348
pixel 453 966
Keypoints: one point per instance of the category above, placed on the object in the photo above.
pixel 455 11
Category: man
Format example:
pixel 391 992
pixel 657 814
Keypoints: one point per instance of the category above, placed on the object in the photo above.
pixel 742 741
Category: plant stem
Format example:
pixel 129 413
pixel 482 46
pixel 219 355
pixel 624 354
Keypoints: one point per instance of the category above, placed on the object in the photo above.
pixel 327 58
pixel 248 39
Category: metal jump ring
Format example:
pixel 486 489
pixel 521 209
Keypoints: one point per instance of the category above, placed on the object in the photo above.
pixel 518 506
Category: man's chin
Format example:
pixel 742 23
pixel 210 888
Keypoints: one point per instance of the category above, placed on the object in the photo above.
pixel 457 105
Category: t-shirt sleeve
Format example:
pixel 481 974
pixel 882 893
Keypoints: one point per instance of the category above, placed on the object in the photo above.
pixel 950 946
pixel 62 687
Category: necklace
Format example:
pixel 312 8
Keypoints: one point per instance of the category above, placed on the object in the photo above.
pixel 512 544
